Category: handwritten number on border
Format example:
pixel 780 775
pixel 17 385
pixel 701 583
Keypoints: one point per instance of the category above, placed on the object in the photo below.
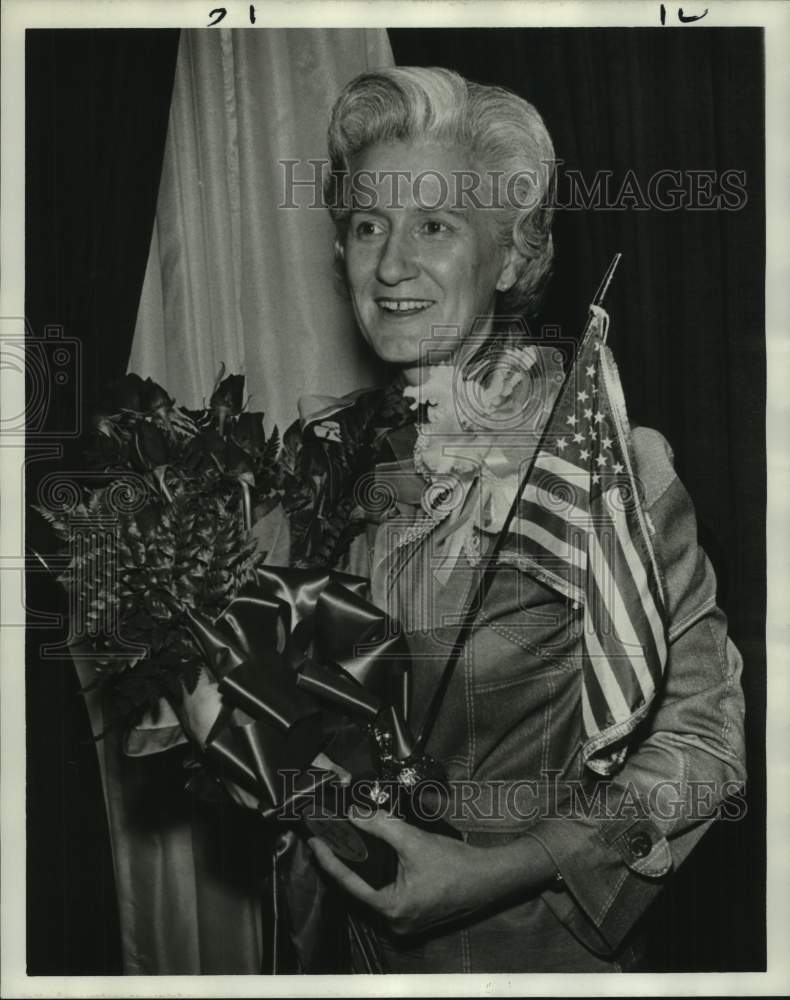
pixel 683 18
pixel 220 13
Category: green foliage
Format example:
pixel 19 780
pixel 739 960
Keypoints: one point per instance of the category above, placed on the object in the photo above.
pixel 185 545
pixel 133 571
pixel 321 475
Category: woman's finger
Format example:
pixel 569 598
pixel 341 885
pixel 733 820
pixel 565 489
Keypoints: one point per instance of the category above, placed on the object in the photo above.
pixel 396 832
pixel 343 875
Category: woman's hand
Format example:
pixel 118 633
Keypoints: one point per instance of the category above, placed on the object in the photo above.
pixel 439 878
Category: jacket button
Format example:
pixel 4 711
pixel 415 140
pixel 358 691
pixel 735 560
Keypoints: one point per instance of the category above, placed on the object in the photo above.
pixel 640 844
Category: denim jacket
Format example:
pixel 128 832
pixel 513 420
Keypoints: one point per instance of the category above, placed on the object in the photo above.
pixel 512 714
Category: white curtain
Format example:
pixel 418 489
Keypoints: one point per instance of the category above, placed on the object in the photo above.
pixel 234 277
pixel 231 278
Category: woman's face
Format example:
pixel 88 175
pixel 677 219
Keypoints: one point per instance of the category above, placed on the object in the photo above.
pixel 421 268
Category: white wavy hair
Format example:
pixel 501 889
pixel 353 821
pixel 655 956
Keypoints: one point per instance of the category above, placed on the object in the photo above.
pixel 501 131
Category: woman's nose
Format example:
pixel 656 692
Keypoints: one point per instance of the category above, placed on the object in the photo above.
pixel 397 262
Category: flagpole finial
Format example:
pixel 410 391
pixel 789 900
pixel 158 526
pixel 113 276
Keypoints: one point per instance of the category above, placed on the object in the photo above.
pixel 603 288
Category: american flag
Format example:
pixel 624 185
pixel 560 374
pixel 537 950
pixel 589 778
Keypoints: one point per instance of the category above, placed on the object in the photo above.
pixel 581 521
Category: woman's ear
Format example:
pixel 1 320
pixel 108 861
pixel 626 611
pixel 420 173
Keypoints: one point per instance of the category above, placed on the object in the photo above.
pixel 508 274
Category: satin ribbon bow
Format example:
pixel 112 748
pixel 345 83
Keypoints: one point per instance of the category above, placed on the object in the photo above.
pixel 299 655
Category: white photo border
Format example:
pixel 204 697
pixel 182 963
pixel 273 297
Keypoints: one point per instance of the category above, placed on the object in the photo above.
pixel 17 16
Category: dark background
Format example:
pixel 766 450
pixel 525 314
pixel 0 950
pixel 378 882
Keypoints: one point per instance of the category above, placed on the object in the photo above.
pixel 687 311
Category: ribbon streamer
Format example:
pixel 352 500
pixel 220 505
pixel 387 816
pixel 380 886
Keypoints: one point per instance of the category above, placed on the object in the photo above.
pixel 304 664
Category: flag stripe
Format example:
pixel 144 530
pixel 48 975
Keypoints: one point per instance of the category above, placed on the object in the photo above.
pixel 636 629
pixel 569 560
pixel 562 468
pixel 613 627
pixel 530 512
pixel 610 380
pixel 600 710
pixel 639 575
pixel 628 613
pixel 551 496
pixel 602 669
pixel 555 572
pixel 588 718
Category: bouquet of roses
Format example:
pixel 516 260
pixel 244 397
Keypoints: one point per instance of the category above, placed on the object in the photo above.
pixel 168 510
pixel 162 535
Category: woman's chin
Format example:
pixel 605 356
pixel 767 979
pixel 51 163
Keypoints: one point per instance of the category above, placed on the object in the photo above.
pixel 408 352
pixel 396 350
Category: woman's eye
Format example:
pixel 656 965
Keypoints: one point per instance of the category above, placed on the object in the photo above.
pixel 433 227
pixel 367 227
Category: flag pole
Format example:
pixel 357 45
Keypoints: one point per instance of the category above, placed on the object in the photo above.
pixel 475 603
pixel 603 288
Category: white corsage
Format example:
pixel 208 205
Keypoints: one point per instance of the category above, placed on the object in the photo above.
pixel 481 426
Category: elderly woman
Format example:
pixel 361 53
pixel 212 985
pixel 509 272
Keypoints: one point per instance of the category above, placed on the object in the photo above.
pixel 444 239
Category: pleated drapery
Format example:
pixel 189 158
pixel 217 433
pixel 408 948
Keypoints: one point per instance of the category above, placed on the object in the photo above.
pixel 189 895
pixel 233 276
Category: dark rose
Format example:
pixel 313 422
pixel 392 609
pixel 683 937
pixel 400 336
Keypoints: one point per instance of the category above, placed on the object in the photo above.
pixel 151 446
pixel 206 450
pixel 238 464
pixel 153 453
pixel 291 450
pixel 103 424
pixel 153 397
pixel 248 432
pixel 125 393
pixel 229 395
pixel 211 442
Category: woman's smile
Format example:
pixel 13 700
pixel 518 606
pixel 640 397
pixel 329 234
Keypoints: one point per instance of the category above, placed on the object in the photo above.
pixel 422 271
pixel 400 308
